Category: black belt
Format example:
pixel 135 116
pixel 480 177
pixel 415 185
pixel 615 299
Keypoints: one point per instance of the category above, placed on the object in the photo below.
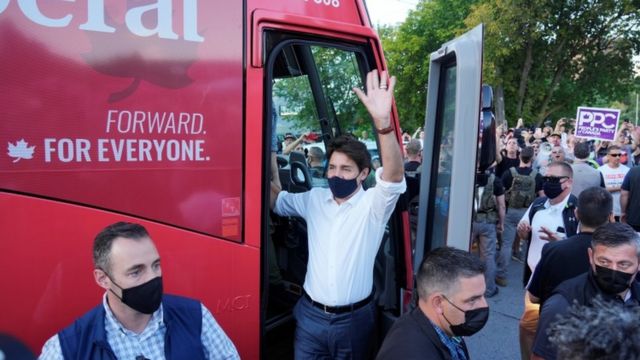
pixel 340 309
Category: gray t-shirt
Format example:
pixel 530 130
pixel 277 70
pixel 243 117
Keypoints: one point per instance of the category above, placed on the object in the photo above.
pixel 585 176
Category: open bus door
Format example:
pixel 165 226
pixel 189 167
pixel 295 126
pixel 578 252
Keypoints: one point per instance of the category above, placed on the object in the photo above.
pixel 308 79
pixel 450 145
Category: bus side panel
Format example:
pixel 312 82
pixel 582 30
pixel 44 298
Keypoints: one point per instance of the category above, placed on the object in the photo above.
pixel 46 251
pixel 126 107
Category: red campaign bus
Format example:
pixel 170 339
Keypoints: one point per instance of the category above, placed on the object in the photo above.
pixel 162 113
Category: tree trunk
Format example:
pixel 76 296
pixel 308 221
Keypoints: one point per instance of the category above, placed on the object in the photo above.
pixel 563 61
pixel 524 77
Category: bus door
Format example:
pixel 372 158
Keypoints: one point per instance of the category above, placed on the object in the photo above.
pixel 450 145
pixel 308 101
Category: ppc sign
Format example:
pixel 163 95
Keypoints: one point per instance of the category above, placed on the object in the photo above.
pixel 597 123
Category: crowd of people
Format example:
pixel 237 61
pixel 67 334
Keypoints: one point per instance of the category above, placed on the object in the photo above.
pixel 561 187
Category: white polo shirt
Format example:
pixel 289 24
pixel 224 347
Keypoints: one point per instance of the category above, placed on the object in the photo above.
pixel 343 239
pixel 551 218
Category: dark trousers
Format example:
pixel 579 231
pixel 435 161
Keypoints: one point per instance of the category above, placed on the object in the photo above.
pixel 320 335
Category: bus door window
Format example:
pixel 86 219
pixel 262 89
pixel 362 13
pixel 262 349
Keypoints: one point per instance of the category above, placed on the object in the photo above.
pixel 441 171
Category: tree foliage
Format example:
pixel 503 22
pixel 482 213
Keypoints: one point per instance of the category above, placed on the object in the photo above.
pixel 408 49
pixel 549 56
pixel 339 72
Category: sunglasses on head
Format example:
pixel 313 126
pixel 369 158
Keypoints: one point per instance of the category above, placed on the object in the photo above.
pixel 554 179
pixel 615 155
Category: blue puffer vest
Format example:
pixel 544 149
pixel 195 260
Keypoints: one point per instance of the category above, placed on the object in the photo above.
pixel 86 338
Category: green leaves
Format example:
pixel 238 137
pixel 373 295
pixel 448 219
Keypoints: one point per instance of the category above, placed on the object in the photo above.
pixel 550 56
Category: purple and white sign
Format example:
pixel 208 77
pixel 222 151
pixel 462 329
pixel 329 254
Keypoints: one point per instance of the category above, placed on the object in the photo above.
pixel 597 123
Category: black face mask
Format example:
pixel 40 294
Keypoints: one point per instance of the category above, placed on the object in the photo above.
pixel 474 320
pixel 552 190
pixel 612 281
pixel 342 188
pixel 144 298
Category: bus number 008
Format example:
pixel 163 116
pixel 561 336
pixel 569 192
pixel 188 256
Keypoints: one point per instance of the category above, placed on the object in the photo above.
pixel 334 3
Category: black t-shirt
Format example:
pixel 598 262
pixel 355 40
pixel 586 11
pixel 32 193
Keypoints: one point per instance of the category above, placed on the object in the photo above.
pixel 560 261
pixel 631 183
pixel 498 188
pixel 507 179
pixel 507 163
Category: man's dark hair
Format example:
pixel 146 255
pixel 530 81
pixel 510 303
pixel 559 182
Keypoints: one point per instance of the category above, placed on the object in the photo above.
pixel 595 204
pixel 443 267
pixel 601 330
pixel 566 168
pixel 581 150
pixel 104 239
pixel 614 235
pixel 354 149
pixel 526 154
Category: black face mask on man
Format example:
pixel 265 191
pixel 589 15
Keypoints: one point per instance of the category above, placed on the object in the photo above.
pixel 552 189
pixel 474 320
pixel 144 298
pixel 612 281
pixel 341 188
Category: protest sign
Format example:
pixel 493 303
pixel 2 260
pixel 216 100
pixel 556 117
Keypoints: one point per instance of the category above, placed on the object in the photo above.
pixel 597 123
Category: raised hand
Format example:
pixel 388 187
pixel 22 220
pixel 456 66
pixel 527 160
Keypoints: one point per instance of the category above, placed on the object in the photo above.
pixel 378 97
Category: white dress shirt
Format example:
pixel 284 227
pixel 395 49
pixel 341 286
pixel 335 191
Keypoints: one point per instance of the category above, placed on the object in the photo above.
pixel 551 218
pixel 343 239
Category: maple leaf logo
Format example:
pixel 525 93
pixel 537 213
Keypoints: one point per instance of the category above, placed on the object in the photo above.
pixel 21 150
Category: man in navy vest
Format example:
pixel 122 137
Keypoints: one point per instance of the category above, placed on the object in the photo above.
pixel 135 319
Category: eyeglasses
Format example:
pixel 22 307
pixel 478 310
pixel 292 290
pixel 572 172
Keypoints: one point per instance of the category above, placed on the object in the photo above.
pixel 554 179
pixel 615 155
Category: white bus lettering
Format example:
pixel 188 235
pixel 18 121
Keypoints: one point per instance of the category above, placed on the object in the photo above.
pixel 163 29
pixel 95 18
pixel 117 148
pixel 31 10
pixel 156 122
pixel 145 150
pixel 163 10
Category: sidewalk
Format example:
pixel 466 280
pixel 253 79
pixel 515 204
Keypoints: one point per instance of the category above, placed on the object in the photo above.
pixel 498 340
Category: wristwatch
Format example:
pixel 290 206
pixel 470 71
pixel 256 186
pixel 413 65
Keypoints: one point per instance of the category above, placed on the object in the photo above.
pixel 386 130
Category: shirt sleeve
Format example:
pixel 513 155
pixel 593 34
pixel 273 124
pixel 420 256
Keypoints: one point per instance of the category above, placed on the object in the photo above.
pixel 51 349
pixel 288 204
pixel 626 183
pixel 552 308
pixel 539 183
pixel 385 195
pixel 215 342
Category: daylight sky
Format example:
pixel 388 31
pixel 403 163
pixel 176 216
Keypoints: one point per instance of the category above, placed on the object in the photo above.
pixel 389 12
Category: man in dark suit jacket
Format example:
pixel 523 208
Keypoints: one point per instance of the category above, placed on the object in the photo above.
pixel 451 305
pixel 562 260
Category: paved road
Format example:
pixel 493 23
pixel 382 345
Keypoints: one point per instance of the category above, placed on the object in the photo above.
pixel 498 340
